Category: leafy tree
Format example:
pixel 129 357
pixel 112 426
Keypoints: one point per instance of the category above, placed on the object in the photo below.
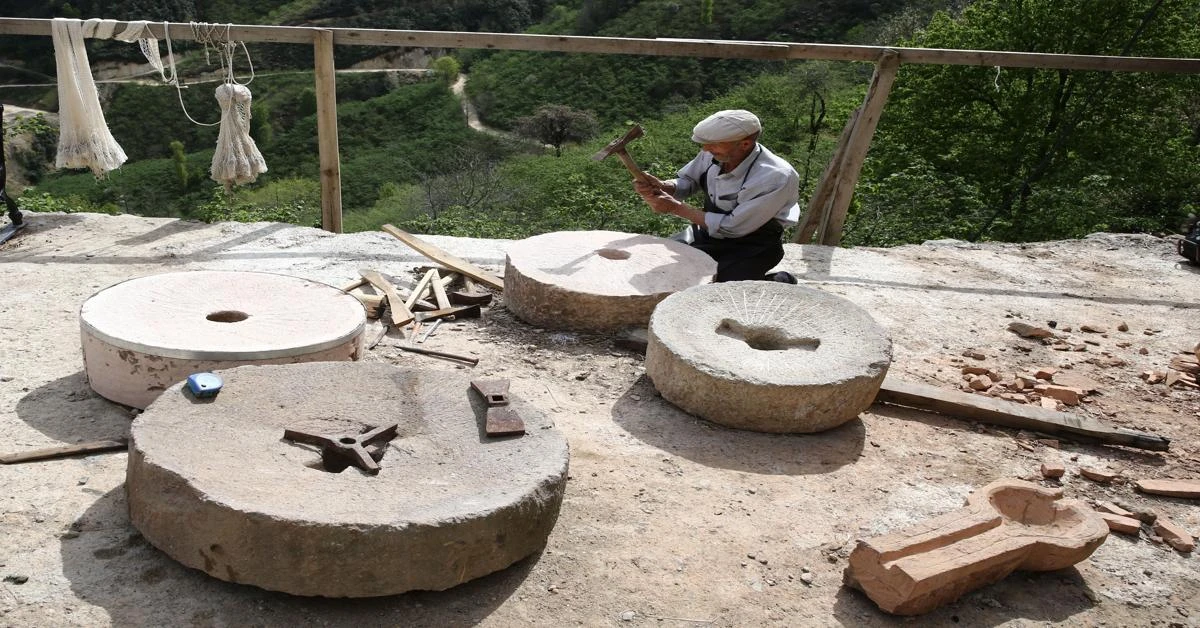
pixel 1026 154
pixel 446 68
pixel 180 159
pixel 556 125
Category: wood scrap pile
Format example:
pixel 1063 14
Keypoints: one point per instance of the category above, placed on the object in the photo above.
pixel 452 290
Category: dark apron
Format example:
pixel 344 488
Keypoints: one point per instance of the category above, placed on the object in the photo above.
pixel 744 258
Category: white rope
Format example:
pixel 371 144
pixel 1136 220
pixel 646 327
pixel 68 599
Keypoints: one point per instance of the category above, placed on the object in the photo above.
pixel 84 140
pixel 996 79
pixel 174 78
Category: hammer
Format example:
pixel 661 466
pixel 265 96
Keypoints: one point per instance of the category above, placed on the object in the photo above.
pixel 617 147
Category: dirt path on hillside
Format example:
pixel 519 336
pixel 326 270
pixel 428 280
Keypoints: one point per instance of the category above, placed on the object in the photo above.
pixel 668 521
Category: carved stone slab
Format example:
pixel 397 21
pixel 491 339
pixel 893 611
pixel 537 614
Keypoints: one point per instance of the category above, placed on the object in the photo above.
pixel 1005 526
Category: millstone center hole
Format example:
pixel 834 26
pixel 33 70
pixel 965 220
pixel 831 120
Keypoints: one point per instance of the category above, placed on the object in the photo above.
pixel 613 254
pixel 765 338
pixel 227 316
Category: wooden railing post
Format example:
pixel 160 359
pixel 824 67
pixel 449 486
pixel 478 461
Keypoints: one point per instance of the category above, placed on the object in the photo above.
pixel 327 132
pixel 857 146
pixel 818 205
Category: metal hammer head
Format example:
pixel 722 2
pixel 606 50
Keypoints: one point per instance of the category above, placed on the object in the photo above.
pixel 618 145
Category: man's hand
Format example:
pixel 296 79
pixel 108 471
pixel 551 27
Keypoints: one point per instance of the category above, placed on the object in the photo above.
pixel 660 201
pixel 651 184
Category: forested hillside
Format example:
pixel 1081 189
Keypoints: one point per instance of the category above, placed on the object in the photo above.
pixel 972 153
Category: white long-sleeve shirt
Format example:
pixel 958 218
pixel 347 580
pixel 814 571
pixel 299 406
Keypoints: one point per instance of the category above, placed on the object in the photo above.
pixel 763 187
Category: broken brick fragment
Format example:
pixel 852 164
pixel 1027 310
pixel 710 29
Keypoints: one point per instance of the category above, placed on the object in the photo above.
pixel 1053 469
pixel 1174 535
pixel 1124 525
pixel 1102 476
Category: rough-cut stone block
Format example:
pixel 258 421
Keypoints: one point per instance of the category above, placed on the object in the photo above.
pixel 143 335
pixel 1005 526
pixel 766 356
pixel 215 485
pixel 597 280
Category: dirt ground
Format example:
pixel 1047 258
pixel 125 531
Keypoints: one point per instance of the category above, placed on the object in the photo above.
pixel 668 520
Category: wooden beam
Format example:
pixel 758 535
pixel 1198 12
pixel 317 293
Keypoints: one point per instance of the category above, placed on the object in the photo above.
pixel 439 291
pixel 722 49
pixel 422 286
pixel 401 315
pixel 818 206
pixel 858 145
pixel 327 131
pixel 63 451
pixel 1009 414
pixel 436 254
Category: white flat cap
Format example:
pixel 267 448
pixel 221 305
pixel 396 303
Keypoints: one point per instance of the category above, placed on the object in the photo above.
pixel 726 126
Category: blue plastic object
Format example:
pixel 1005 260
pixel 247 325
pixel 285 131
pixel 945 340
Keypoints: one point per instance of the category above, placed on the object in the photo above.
pixel 204 384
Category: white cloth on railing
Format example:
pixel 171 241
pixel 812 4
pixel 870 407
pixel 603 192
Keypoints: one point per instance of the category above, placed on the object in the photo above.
pixel 84 140
pixel 140 32
pixel 237 159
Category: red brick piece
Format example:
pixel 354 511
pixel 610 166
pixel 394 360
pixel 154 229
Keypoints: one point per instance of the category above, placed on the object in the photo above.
pixel 1174 535
pixel 1124 525
pixel 1053 469
pixel 1189 489
pixel 1102 476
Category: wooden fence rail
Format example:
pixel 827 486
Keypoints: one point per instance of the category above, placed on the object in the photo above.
pixel 851 156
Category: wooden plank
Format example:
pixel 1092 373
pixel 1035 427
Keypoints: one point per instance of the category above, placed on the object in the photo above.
pixel 1008 414
pixel 818 205
pixel 401 315
pixel 439 291
pixel 1171 488
pixel 327 131
pixel 717 49
pixel 445 259
pixel 858 145
pixel 419 291
pixel 63 451
pixel 354 284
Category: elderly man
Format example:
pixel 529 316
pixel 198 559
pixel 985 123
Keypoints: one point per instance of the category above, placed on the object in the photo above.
pixel 750 196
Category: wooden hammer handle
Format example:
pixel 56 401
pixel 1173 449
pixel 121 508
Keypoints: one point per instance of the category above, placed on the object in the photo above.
pixel 633 167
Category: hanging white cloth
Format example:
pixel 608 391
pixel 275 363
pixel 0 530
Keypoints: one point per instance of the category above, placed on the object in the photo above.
pixel 84 140
pixel 237 159
pixel 141 33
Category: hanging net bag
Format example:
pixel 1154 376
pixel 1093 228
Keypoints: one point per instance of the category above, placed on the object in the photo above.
pixel 84 140
pixel 237 159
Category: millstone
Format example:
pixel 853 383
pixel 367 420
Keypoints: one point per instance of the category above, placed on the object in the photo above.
pixel 214 485
pixel 142 335
pixel 765 356
pixel 597 280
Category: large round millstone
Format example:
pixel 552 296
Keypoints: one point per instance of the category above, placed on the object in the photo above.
pixel 765 356
pixel 216 486
pixel 142 335
pixel 597 280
